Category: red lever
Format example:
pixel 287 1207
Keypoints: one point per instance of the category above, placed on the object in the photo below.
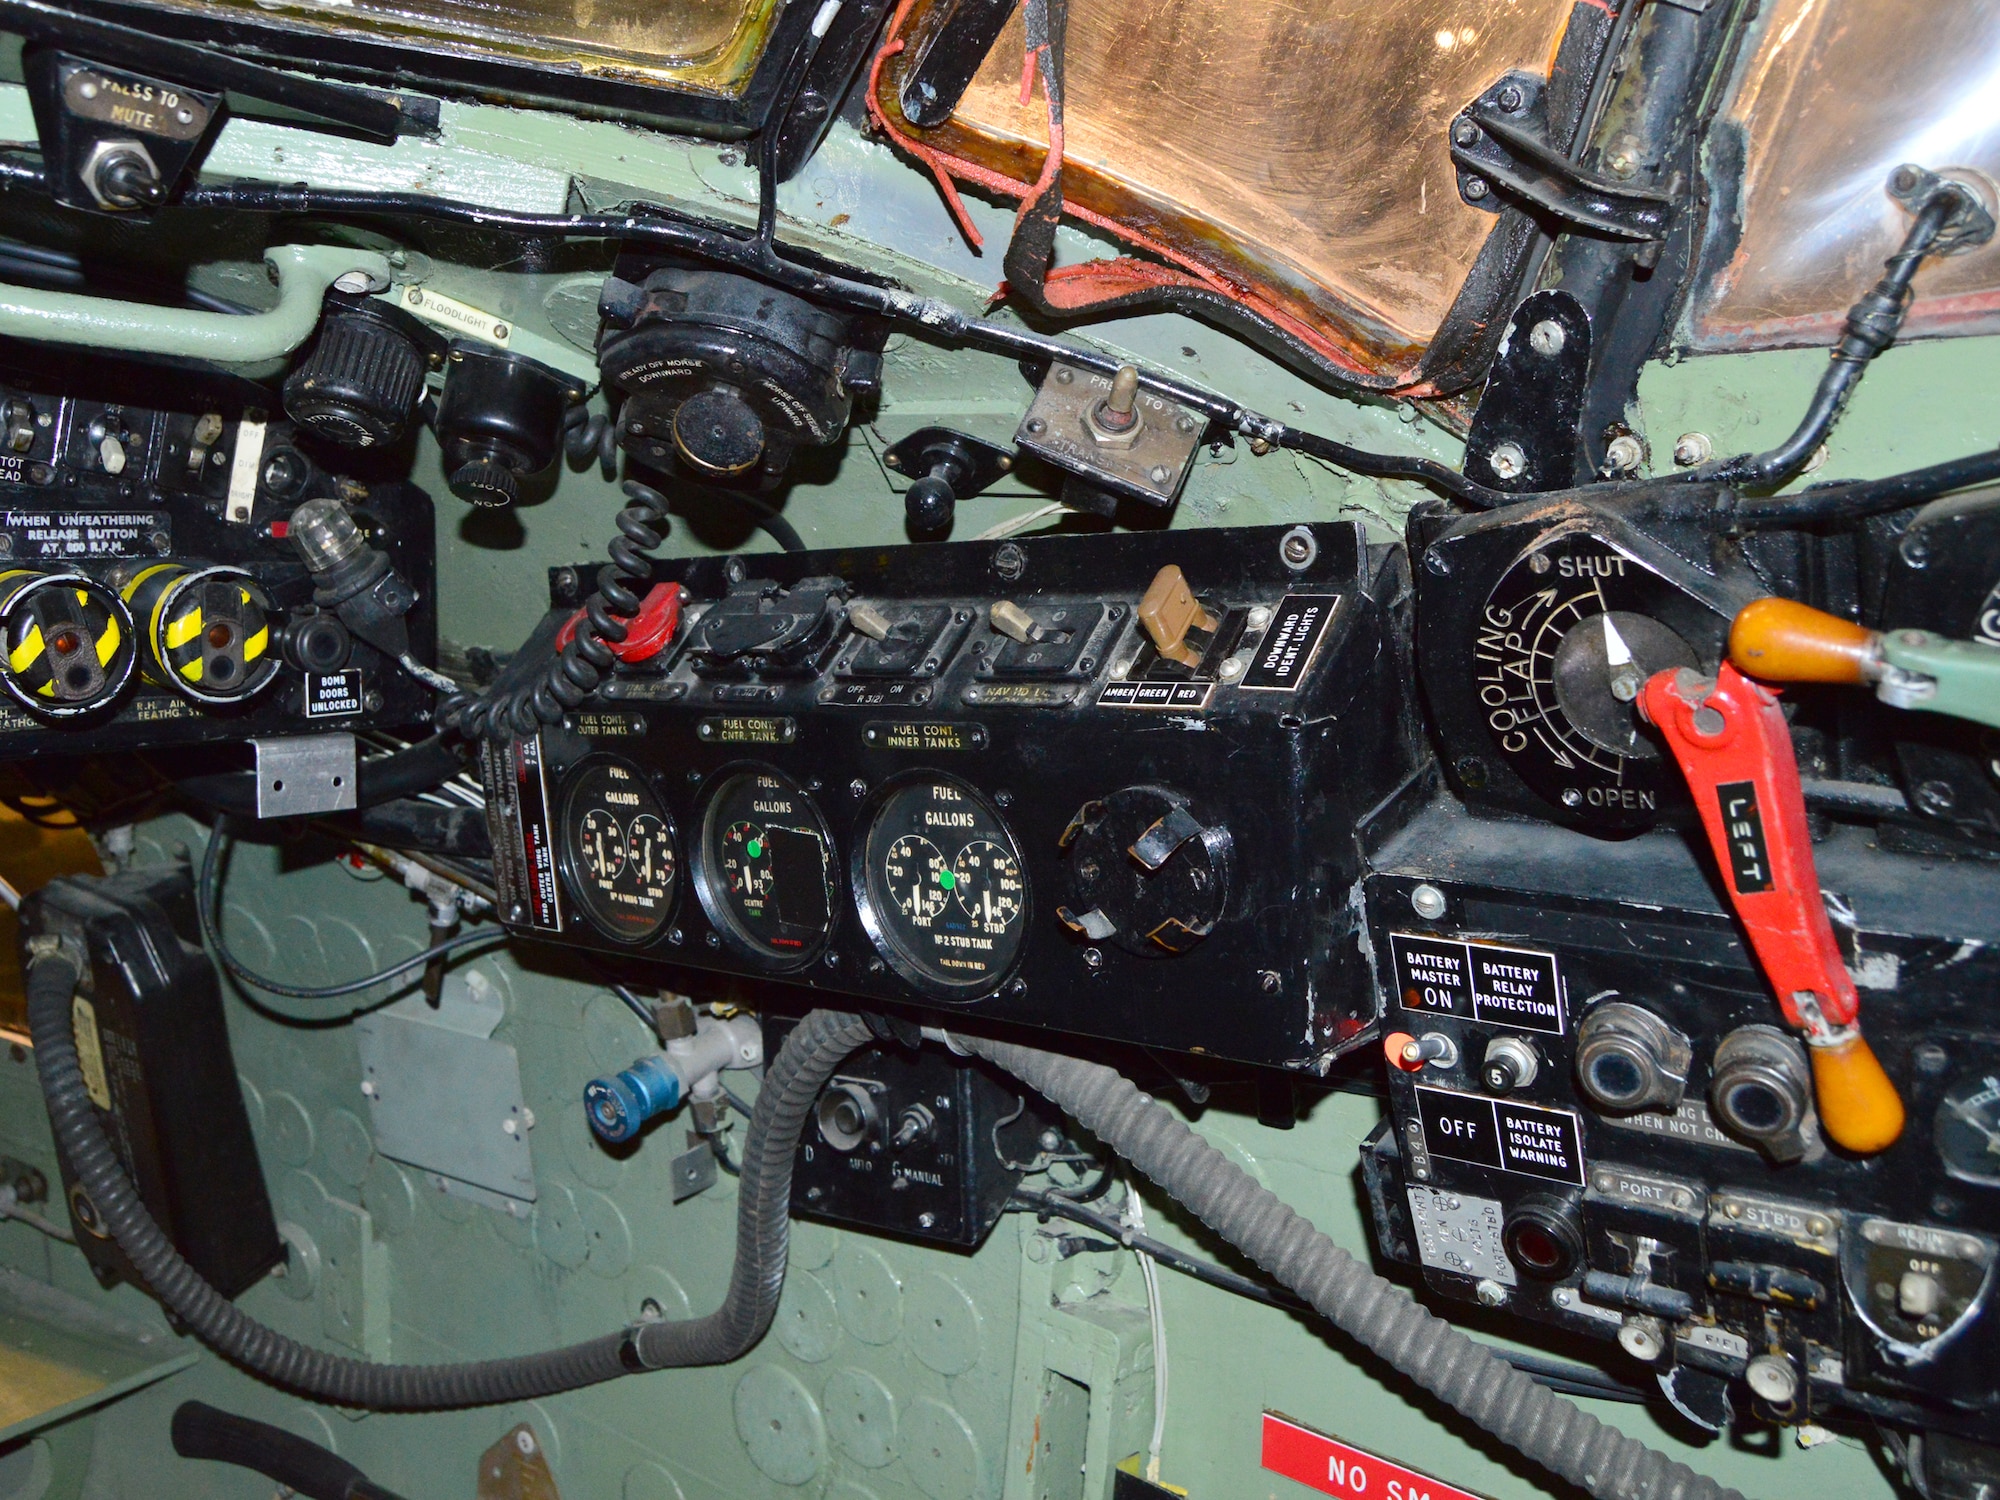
pixel 647 633
pixel 1732 743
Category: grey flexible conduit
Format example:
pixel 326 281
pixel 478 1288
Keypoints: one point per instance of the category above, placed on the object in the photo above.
pixel 802 1067
pixel 1382 1317
pixel 1379 1315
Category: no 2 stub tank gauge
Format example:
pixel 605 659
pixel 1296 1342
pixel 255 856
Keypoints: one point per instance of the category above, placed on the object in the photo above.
pixel 1967 1130
pixel 765 870
pixel 617 851
pixel 940 887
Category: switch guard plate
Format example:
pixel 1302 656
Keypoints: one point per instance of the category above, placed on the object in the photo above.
pixel 1057 430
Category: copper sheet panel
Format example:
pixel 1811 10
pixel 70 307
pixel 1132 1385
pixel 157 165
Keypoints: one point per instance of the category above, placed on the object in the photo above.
pixel 1833 96
pixel 1309 138
pixel 706 46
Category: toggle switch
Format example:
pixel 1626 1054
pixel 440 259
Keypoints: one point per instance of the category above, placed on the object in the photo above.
pixel 868 620
pixel 1169 611
pixel 1014 622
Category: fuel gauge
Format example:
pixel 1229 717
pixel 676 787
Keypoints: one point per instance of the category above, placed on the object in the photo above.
pixel 766 874
pixel 617 850
pixel 1967 1130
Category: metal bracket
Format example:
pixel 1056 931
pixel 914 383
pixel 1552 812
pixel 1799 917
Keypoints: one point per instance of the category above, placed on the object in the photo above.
pixel 1499 142
pixel 305 776
pixel 939 77
pixel 1971 221
pixel 1524 435
pixel 1148 464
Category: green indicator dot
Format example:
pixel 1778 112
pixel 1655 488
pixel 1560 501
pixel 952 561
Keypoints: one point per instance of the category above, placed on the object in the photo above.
pixel 946 879
pixel 754 848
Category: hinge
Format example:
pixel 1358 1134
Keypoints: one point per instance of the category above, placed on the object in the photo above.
pixel 1499 142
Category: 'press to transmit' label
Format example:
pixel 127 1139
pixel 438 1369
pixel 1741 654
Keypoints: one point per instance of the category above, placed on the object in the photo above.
pixel 1478 981
pixel 1498 1133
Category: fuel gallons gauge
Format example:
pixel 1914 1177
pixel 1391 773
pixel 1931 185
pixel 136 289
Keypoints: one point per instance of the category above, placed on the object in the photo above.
pixel 618 853
pixel 766 872
pixel 940 887
pixel 1967 1130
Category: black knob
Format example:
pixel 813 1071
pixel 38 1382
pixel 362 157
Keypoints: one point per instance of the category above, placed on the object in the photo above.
pixel 486 484
pixel 499 420
pixel 930 503
pixel 932 500
pixel 361 382
pixel 717 433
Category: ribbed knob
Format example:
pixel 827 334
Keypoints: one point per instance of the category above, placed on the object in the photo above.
pixel 484 483
pixel 359 385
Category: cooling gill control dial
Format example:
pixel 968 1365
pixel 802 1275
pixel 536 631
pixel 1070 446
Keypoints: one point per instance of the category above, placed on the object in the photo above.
pixel 1568 635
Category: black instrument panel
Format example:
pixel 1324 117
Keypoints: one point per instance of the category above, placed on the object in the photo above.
pixel 1029 827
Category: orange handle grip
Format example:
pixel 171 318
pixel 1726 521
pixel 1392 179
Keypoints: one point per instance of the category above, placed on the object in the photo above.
pixel 1858 1106
pixel 1782 640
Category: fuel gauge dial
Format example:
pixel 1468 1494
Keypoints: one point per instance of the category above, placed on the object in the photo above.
pixel 617 851
pixel 940 887
pixel 766 876
pixel 1967 1130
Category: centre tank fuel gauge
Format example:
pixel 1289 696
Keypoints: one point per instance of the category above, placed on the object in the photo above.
pixel 765 869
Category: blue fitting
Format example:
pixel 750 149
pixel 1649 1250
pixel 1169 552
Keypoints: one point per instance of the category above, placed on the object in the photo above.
pixel 619 1107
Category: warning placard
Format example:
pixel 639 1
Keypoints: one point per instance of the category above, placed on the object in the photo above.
pixel 1336 1468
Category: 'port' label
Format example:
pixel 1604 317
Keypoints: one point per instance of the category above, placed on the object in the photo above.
pixel 1335 1468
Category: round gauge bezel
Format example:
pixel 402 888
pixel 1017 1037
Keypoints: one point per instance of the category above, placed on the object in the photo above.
pixel 566 854
pixel 714 901
pixel 909 969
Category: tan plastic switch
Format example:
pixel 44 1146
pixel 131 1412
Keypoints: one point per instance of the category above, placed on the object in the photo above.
pixel 1014 622
pixel 869 620
pixel 1169 611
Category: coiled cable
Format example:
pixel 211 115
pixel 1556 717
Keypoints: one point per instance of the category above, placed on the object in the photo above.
pixel 508 712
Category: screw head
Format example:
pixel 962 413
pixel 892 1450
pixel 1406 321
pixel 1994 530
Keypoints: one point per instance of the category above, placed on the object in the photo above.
pixel 1037 426
pixel 1937 797
pixel 1572 797
pixel 1475 187
pixel 1930 1058
pixel 1436 562
pixel 1270 981
pixel 1490 1294
pixel 1464 132
pixel 1428 902
pixel 1547 338
pixel 1159 473
pixel 1512 98
pixel 1508 461
pixel 1624 453
pixel 1093 958
pixel 1065 375
pixel 1914 549
pixel 1693 449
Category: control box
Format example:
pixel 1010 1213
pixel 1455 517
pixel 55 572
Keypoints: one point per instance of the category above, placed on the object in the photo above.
pixel 150 593
pixel 1600 1121
pixel 1106 784
pixel 917 1142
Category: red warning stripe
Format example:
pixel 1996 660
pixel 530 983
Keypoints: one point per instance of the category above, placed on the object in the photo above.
pixel 1333 1468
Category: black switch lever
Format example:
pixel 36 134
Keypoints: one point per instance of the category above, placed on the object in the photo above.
pixel 949 467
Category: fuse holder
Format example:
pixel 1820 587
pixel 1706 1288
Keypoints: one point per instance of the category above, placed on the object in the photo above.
pixel 647 634
pixel 1782 640
pixel 1730 739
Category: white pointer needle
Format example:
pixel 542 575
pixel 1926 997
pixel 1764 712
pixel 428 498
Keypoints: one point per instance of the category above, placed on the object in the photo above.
pixel 1616 652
